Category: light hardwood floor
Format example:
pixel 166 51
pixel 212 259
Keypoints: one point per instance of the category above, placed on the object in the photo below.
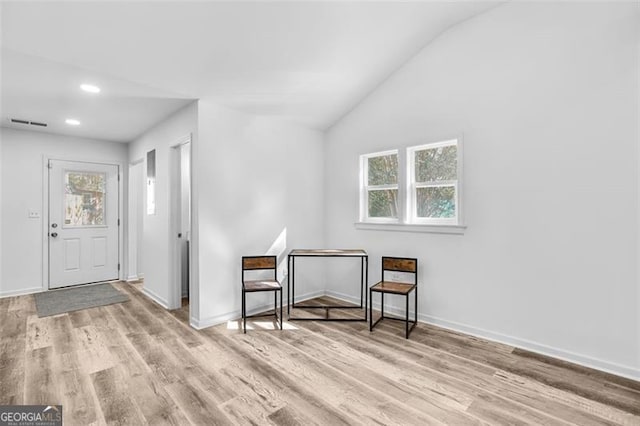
pixel 135 363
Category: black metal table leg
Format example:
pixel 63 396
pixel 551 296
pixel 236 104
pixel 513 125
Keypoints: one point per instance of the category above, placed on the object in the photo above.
pixel 406 323
pixel 366 285
pixel 288 286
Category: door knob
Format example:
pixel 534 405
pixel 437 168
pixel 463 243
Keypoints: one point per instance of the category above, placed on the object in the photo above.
pixel 54 225
pixel 54 234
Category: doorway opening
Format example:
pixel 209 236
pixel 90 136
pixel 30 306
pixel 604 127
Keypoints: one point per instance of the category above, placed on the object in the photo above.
pixel 181 224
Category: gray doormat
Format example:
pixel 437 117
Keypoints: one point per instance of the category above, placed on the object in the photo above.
pixel 56 302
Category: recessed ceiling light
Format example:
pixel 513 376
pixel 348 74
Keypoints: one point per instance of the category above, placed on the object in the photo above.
pixel 72 122
pixel 90 88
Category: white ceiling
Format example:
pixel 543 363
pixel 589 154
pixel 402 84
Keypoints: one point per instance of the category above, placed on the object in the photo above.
pixel 310 62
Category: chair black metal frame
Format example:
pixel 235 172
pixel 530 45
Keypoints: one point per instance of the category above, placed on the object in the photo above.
pixel 396 264
pixel 256 263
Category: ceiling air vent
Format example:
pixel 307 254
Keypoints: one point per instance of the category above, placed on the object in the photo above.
pixel 33 123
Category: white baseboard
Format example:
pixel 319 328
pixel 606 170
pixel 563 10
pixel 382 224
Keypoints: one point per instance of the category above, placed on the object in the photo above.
pixel 576 358
pixel 540 348
pixel 220 319
pixel 21 292
pixel 153 296
pixel 133 278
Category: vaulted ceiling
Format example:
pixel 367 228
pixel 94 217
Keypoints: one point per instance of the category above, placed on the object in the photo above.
pixel 310 62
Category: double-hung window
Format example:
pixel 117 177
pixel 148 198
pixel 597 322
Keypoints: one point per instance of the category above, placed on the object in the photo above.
pixel 420 185
pixel 433 183
pixel 379 187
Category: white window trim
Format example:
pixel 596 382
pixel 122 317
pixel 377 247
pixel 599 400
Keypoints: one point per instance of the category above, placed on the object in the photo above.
pixel 411 227
pixel 365 188
pixel 407 222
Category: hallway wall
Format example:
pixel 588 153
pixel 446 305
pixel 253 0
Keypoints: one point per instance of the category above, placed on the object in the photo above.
pixel 22 178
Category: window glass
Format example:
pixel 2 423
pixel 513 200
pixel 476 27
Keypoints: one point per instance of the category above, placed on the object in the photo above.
pixel 383 170
pixel 84 198
pixel 436 201
pixel 383 203
pixel 436 164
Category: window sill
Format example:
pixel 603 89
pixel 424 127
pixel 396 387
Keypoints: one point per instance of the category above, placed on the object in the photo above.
pixel 410 227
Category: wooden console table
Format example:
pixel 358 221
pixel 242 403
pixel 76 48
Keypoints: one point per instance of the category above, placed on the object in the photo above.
pixel 291 279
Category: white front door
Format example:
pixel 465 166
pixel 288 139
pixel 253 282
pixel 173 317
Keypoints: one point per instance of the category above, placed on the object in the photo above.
pixel 83 223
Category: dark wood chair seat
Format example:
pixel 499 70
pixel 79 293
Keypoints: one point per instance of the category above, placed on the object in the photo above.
pixel 262 285
pixel 261 263
pixel 393 287
pixel 404 265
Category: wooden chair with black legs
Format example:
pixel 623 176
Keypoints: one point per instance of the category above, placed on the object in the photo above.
pixel 260 263
pixel 406 265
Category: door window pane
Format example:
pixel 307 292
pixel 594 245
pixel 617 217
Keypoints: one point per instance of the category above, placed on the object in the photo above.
pixel 436 201
pixel 84 198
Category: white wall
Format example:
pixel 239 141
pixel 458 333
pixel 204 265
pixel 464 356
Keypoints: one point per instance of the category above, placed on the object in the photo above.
pixel 134 223
pixel 546 96
pixel 22 175
pixel 157 243
pixel 255 177
pixel 1 204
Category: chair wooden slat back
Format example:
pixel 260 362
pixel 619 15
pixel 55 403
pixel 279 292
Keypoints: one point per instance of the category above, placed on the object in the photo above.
pixel 400 264
pixel 250 263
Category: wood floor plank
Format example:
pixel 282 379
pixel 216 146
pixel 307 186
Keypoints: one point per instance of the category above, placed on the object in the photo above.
pixel 79 405
pixel 601 376
pixel 191 367
pixel 92 349
pixel 13 329
pixel 625 399
pixel 137 363
pixel 465 375
pixel 39 332
pixel 564 404
pixel 23 304
pixel 155 357
pixel 197 406
pixel 170 323
pixel 62 336
pixel 245 409
pixel 41 387
pixel 80 318
pixel 492 411
pixel 12 373
pixel 154 402
pixel 449 392
pixel 401 378
pixel 287 416
pixel 335 387
pixel 116 403
pixel 4 306
pixel 289 387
